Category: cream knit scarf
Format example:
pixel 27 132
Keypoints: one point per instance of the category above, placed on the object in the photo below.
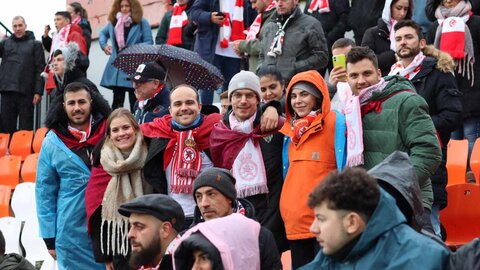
pixel 126 184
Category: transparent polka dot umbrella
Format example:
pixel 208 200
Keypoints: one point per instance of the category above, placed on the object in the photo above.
pixel 183 66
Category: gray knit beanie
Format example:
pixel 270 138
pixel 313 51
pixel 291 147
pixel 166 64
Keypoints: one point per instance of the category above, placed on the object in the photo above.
pixel 310 88
pixel 218 178
pixel 244 80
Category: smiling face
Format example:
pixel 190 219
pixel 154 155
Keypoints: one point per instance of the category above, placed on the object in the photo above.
pixel 362 74
pixel 270 88
pixel 78 106
pixel 244 103
pixel 212 203
pixel 302 102
pixel 122 133
pixel 184 105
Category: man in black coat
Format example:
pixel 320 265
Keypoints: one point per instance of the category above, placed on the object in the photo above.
pixel 434 81
pixel 21 85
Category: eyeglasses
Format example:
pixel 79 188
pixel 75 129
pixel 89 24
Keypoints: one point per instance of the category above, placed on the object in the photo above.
pixel 239 96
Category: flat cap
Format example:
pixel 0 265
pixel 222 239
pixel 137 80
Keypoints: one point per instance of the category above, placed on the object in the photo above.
pixel 160 206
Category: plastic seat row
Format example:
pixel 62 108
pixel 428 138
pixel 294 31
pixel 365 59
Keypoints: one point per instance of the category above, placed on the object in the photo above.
pixel 11 169
pixel 22 142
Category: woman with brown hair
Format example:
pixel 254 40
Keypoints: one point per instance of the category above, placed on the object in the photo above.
pixel 116 178
pixel 126 27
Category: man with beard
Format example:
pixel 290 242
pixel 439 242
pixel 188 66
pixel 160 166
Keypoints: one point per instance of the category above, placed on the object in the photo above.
pixel 434 80
pixel 394 117
pixel 155 221
pixel 77 122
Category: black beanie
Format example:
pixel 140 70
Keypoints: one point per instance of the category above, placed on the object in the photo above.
pixel 220 179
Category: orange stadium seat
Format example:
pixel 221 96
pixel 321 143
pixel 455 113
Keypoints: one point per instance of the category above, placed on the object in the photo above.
pixel 38 139
pixel 4 140
pixel 460 218
pixel 457 155
pixel 5 192
pixel 475 160
pixel 29 168
pixel 10 170
pixel 21 143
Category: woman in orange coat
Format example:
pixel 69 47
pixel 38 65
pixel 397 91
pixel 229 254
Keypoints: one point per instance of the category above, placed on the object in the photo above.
pixel 311 127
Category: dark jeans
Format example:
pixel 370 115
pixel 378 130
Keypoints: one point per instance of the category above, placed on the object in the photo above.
pixel 119 97
pixel 16 105
pixel 228 66
pixel 303 251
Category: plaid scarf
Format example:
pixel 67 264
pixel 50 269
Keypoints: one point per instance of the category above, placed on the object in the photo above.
pixel 177 22
pixel 411 70
pixel 257 23
pixel 453 36
pixel 299 126
pixel 122 22
pixel 322 6
pixel 232 28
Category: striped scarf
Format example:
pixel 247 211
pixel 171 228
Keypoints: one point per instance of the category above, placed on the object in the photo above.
pixel 322 6
pixel 257 23
pixel 411 70
pixel 178 21
pixel 232 27
pixel 186 162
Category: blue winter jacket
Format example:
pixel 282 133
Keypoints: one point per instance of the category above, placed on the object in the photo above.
pixel 388 243
pixel 61 181
pixel 139 33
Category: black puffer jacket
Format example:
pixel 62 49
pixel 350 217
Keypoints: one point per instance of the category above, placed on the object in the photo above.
pixel 23 61
pixel 363 15
pixel 377 39
pixel 471 94
pixel 444 100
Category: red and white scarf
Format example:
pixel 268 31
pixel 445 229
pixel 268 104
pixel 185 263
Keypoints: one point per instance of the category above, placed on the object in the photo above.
pixel 178 21
pixel 353 120
pixel 122 22
pixel 322 6
pixel 411 70
pixel 257 23
pixel 299 126
pixel 76 20
pixel 81 135
pixel 60 40
pixel 366 93
pixel 186 162
pixel 232 27
pixel 248 167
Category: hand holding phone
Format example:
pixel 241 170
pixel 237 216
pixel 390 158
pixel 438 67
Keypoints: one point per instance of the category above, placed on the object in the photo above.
pixel 338 73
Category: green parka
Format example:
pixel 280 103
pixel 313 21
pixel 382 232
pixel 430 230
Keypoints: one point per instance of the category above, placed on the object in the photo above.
pixel 403 124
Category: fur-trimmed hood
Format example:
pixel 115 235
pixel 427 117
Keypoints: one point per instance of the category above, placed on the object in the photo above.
pixel 445 62
pixel 73 58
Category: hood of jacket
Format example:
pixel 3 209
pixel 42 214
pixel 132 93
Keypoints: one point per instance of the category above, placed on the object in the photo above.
pixel 385 217
pixel 73 59
pixel 313 77
pixel 444 62
pixel 387 11
pixel 398 171
pixel 28 36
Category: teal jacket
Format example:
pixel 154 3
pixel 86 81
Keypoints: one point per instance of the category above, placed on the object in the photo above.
pixel 61 181
pixel 387 243
pixel 402 124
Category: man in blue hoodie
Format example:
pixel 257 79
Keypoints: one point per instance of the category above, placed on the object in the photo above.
pixel 359 226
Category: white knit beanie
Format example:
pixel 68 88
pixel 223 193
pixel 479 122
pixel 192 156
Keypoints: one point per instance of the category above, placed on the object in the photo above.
pixel 244 80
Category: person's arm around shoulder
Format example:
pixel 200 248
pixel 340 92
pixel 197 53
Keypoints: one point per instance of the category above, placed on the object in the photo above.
pixel 269 257
pixel 419 136
pixel 47 185
pixel 147 37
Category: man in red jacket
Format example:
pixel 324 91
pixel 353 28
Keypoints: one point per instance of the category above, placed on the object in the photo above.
pixel 66 33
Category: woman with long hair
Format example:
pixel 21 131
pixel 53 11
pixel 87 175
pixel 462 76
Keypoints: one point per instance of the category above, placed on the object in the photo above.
pixel 126 27
pixel 80 17
pixel 381 38
pixel 117 177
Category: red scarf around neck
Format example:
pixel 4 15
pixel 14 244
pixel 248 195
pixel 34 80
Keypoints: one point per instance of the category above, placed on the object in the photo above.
pixel 257 23
pixel 299 126
pixel 232 28
pixel 177 22
pixel 92 140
